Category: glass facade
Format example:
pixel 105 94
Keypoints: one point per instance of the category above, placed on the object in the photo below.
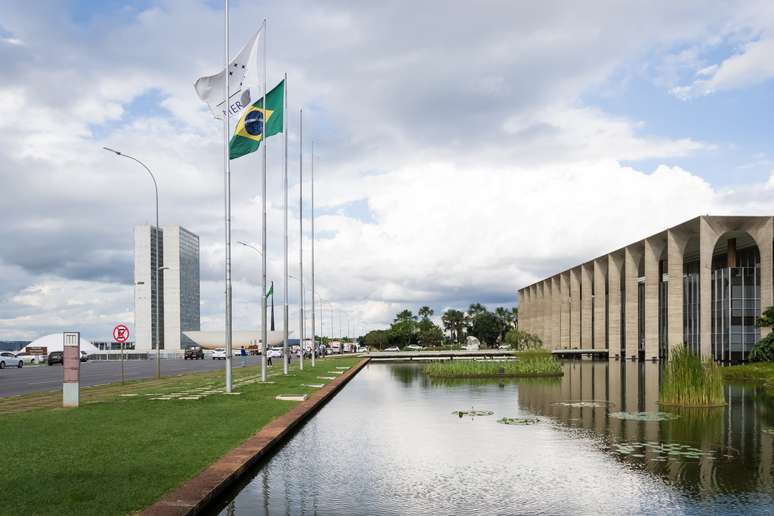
pixel 691 316
pixel 157 291
pixel 189 284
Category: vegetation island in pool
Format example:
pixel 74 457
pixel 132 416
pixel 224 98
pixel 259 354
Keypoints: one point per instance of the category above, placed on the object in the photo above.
pixel 527 364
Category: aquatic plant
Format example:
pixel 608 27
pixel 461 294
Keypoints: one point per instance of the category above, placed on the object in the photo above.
pixel 691 381
pixel 518 421
pixel 644 416
pixel 472 412
pixel 527 363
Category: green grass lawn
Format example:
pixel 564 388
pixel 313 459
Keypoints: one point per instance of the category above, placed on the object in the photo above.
pixel 120 454
pixel 756 372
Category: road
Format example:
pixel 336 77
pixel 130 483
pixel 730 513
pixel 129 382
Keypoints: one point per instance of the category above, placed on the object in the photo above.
pixel 31 379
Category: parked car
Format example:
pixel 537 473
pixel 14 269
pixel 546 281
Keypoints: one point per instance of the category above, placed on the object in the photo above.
pixel 84 356
pixel 56 357
pixel 414 347
pixel 219 354
pixel 8 359
pixel 28 358
pixel 391 348
pixel 193 353
pixel 503 346
pixel 274 353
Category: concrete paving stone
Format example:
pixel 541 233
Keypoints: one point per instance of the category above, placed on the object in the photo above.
pixel 190 398
pixel 162 398
pixel 291 397
pixel 128 395
pixel 326 377
pixel 314 385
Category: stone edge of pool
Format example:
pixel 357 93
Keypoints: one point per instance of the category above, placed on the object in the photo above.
pixel 195 495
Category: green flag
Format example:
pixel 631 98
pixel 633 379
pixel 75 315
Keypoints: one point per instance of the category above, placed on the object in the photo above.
pixel 248 133
pixel 271 290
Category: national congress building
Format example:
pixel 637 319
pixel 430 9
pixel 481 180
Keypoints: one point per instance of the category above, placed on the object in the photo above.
pixel 702 283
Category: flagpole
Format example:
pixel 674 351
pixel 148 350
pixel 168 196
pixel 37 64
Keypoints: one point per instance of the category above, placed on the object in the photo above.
pixel 285 227
pixel 264 331
pixel 301 234
pixel 227 195
pixel 314 338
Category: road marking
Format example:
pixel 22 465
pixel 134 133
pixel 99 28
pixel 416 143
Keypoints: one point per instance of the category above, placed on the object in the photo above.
pixel 41 383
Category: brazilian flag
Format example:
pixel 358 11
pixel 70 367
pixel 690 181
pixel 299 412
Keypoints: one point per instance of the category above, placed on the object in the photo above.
pixel 248 133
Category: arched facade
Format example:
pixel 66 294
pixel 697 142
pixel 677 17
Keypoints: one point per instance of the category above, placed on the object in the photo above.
pixel 701 283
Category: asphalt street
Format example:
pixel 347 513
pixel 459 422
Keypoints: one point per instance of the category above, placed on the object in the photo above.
pixel 31 379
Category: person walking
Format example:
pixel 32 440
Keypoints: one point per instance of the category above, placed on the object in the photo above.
pixel 243 356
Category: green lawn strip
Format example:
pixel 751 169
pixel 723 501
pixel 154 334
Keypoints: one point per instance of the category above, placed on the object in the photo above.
pixel 122 454
pixel 757 372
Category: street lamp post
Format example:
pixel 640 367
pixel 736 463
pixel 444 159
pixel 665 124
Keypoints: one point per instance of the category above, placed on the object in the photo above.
pixel 158 255
pixel 265 347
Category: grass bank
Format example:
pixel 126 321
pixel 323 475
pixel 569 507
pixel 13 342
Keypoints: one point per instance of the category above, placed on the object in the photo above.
pixel 119 453
pixel 528 364
pixel 691 381
pixel 757 372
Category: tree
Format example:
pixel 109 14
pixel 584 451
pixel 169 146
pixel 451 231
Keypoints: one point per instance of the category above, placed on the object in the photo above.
pixel 505 320
pixel 454 322
pixel 429 334
pixel 425 312
pixel 403 329
pixel 377 339
pixel 486 327
pixel 475 309
pixel 405 315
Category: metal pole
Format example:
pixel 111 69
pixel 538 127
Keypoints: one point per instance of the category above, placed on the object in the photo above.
pixel 314 340
pixel 158 256
pixel 301 236
pixel 285 228
pixel 227 205
pixel 264 330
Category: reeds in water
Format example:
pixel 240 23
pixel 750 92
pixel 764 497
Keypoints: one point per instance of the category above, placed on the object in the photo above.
pixel 533 363
pixel 691 381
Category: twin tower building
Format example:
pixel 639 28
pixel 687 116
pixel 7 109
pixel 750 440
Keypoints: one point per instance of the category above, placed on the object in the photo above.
pixel 174 252
pixel 702 283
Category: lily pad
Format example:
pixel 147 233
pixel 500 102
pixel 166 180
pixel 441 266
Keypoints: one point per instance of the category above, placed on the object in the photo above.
pixel 518 421
pixel 472 412
pixel 644 416
pixel 583 404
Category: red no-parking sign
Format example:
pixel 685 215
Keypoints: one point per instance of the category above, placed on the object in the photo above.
pixel 120 333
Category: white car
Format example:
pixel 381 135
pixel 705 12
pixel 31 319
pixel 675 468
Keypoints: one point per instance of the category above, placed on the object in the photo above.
pixel 414 347
pixel 28 358
pixel 393 348
pixel 274 353
pixel 8 359
pixel 219 354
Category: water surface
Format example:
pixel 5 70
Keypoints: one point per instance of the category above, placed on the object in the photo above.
pixel 389 444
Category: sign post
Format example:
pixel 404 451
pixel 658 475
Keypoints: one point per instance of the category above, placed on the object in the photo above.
pixel 121 335
pixel 72 369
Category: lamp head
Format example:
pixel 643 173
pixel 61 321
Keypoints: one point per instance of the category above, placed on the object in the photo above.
pixel 112 150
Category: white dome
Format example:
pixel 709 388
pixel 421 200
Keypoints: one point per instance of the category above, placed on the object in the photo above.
pixel 55 342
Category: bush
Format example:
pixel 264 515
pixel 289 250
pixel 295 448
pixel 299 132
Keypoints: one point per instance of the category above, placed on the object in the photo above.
pixel 537 362
pixel 522 340
pixel 763 351
pixel 691 381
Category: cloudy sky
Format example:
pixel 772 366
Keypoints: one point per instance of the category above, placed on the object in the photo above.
pixel 461 152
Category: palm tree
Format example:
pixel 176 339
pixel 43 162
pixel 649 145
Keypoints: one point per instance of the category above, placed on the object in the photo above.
pixel 425 312
pixel 454 322
pixel 405 315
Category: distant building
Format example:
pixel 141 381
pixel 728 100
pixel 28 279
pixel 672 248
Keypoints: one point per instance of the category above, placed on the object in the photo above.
pixel 702 283
pixel 177 295
pixel 181 286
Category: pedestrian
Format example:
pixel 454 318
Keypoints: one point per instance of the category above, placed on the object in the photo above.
pixel 243 356
pixel 268 358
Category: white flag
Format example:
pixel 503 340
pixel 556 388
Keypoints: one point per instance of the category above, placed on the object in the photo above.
pixel 243 74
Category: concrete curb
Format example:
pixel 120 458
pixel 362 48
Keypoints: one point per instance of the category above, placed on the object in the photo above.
pixel 196 494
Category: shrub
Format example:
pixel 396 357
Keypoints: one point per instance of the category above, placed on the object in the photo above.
pixel 763 351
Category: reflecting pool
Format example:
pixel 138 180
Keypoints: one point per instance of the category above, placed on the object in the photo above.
pixel 393 441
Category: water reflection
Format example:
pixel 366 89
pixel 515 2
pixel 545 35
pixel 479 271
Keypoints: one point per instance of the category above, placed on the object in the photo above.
pixel 389 444
pixel 736 451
